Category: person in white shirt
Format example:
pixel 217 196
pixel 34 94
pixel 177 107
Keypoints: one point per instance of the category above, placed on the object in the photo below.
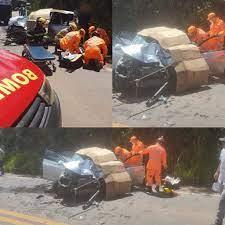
pixel 220 177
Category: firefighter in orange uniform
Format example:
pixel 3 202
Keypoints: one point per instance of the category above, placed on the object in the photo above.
pixel 103 34
pixel 95 49
pixel 91 30
pixel 122 154
pixel 197 35
pixel 156 162
pixel 137 145
pixel 71 42
pixel 217 27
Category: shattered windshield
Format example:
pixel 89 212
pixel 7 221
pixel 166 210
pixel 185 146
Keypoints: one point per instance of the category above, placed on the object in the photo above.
pixel 147 50
pixel 83 165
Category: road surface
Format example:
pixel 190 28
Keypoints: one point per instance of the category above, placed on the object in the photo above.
pixel 26 195
pixel 85 96
pixel 201 108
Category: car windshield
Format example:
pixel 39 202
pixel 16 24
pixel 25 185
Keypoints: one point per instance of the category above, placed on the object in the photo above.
pixel 61 19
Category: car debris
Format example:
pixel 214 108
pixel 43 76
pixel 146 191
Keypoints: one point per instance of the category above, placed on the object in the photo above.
pixel 142 63
pixel 74 176
pixel 93 176
pixel 16 31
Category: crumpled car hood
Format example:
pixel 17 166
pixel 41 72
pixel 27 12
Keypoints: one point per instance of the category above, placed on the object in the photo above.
pixel 84 166
pixel 20 81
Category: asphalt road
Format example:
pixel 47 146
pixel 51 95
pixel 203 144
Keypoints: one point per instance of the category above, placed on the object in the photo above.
pixel 26 196
pixel 85 96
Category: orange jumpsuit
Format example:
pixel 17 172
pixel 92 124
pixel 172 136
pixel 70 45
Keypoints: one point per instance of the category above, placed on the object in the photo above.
pixel 122 153
pixel 215 29
pixel 199 37
pixel 103 34
pixel 71 42
pixel 95 48
pixel 126 157
pixel 137 148
pixel 157 160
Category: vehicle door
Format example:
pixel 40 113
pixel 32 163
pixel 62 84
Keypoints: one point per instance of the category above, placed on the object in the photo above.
pixel 58 21
pixel 53 165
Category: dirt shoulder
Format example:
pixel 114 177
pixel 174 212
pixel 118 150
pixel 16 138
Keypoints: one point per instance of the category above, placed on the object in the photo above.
pixel 201 108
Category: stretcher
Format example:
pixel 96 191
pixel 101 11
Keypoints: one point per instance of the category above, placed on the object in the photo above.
pixel 41 57
pixel 69 60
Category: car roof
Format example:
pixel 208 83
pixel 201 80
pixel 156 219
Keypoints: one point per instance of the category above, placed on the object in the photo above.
pixel 61 11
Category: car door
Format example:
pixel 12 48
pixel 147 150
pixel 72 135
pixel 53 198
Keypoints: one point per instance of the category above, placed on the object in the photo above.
pixel 52 165
pixel 58 21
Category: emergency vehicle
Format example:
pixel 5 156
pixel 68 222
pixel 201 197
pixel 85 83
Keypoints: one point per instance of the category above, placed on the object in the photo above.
pixel 26 97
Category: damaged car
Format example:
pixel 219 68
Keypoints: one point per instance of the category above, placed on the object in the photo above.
pixel 140 63
pixel 74 176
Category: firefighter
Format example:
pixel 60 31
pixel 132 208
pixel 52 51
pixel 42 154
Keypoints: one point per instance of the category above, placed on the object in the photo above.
pixel 103 34
pixel 137 145
pixel 197 35
pixel 95 49
pixel 156 162
pixel 122 153
pixel 61 34
pixel 127 158
pixel 72 41
pixel 217 27
pixel 91 30
pixel 39 33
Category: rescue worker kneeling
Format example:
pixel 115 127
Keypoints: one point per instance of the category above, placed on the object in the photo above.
pixel 63 33
pixel 72 41
pixel 95 50
pixel 157 161
pixel 91 30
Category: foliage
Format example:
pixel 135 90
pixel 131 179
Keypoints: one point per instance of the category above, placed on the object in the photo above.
pixel 25 147
pixel 101 10
pixel 23 162
pixel 135 15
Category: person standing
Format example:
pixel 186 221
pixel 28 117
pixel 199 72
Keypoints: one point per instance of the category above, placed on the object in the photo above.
pixel 220 177
pixel 216 31
pixel 137 145
pixel 156 163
